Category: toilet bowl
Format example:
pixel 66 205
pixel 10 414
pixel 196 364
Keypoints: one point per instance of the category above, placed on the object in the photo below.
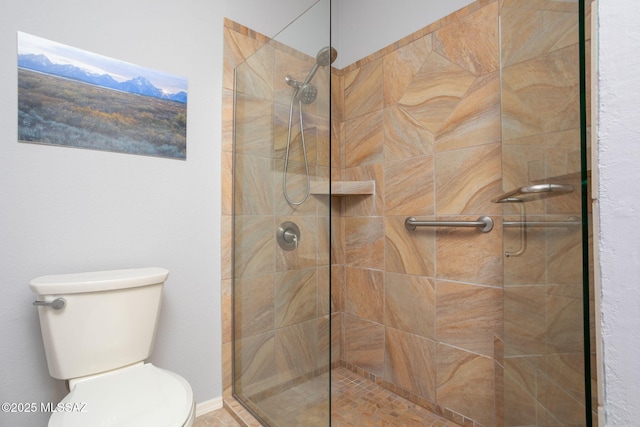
pixel 138 396
pixel 98 329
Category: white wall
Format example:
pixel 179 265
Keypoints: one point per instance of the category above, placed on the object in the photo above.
pixel 267 17
pixel 366 26
pixel 619 200
pixel 72 210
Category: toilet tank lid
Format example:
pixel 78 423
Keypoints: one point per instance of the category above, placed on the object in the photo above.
pixel 98 281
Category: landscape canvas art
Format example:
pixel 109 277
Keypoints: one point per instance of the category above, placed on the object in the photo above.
pixel 75 98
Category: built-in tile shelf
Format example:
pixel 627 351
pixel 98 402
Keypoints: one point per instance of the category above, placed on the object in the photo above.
pixel 343 188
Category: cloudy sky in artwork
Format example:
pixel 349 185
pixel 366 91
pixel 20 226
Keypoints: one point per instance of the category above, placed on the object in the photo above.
pixel 121 71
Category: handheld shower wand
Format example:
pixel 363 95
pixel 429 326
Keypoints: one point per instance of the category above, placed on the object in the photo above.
pixel 308 93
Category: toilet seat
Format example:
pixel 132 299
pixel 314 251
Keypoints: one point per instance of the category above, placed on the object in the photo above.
pixel 137 396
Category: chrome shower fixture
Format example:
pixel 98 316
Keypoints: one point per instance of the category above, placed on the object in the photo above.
pixel 326 56
pixel 307 91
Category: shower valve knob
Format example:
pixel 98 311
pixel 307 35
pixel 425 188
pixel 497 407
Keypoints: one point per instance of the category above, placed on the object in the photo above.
pixel 288 236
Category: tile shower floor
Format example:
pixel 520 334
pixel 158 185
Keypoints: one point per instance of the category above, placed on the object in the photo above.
pixel 356 402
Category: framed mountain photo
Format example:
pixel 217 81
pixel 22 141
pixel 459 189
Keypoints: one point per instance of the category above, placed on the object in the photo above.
pixel 74 98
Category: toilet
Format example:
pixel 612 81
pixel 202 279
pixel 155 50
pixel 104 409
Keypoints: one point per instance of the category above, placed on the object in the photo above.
pixel 98 329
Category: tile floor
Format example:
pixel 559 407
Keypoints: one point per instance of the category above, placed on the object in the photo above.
pixel 218 418
pixel 356 402
pixel 359 402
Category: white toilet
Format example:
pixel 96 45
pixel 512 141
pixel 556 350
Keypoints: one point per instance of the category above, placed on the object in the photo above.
pixel 98 328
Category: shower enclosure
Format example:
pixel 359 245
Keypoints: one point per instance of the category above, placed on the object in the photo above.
pixel 478 117
pixel 281 303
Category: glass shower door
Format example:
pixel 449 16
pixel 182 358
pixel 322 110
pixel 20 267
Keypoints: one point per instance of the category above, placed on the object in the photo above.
pixel 281 274
pixel 544 245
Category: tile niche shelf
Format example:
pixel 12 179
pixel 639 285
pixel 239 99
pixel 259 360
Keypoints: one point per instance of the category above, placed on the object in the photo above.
pixel 344 188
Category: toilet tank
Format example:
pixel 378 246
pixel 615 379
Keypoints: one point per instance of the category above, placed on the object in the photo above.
pixel 109 319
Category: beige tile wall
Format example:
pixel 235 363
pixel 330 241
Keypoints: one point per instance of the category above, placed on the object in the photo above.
pixel 422 119
pixel 421 312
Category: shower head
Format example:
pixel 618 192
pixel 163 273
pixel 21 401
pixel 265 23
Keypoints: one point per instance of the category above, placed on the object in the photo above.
pixel 326 56
pixel 306 90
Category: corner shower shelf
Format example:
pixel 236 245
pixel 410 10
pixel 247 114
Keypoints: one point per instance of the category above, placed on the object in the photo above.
pixel 343 188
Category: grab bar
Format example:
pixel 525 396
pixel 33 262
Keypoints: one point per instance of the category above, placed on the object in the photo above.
pixel 572 221
pixel 484 223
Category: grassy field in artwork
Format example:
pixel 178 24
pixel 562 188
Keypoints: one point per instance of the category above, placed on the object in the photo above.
pixel 54 110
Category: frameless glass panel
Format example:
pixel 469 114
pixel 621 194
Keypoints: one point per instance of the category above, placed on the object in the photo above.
pixel 544 345
pixel 281 226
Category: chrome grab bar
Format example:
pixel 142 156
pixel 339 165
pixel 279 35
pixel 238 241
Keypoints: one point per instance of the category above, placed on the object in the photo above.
pixel 56 304
pixel 572 221
pixel 484 223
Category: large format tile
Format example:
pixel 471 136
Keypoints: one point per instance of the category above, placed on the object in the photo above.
pixel 476 118
pixel 254 127
pixel 410 304
pixel 524 320
pixel 254 364
pixel 472 41
pixel 363 90
pixel 409 186
pixel 295 296
pixel 283 136
pixel 404 136
pixel 256 75
pixel 364 139
pixel 468 179
pixel 400 67
pixel 253 194
pixel 530 33
pixel 435 91
pixel 541 95
pixel 364 241
pixel 465 384
pixel 254 245
pixel 237 47
pixel 253 305
pixel 564 331
pixel 364 293
pixel 468 316
pixel 410 252
pixel 410 362
pixel 468 255
pixel 328 345
pixel 364 343
pixel 296 350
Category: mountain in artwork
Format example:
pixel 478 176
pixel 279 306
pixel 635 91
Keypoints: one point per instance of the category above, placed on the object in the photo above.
pixel 137 85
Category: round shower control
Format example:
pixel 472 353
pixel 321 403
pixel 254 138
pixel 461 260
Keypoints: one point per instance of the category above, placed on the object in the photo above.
pixel 288 236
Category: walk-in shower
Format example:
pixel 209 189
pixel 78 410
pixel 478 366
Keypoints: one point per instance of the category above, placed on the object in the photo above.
pixel 305 93
pixel 366 285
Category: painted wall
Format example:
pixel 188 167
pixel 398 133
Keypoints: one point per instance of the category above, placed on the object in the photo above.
pixel 364 27
pixel 70 210
pixel 266 17
pixel 618 158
